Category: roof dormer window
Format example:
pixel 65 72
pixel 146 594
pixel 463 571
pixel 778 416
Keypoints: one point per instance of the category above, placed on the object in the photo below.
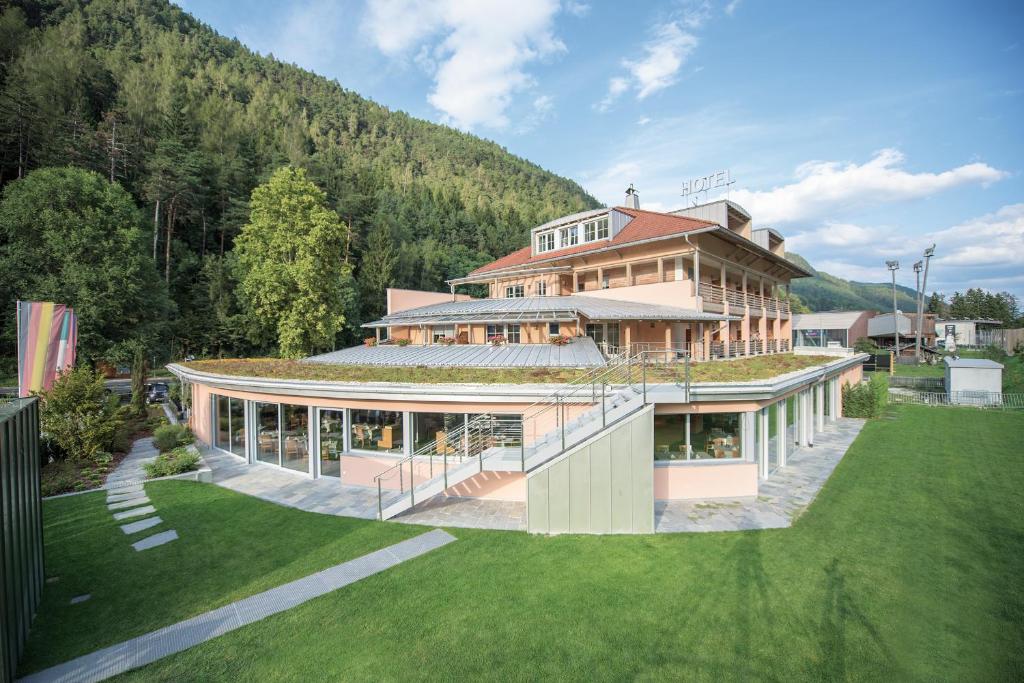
pixel 545 241
pixel 568 237
pixel 595 230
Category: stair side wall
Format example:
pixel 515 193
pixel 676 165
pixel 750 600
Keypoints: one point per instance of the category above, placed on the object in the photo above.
pixel 604 485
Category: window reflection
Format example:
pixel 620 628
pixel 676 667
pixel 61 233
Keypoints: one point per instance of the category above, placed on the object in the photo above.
pixel 332 442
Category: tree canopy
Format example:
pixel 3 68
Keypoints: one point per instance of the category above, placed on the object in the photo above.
pixel 71 236
pixel 189 123
pixel 290 257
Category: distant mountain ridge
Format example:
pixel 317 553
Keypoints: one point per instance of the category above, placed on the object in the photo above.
pixel 825 292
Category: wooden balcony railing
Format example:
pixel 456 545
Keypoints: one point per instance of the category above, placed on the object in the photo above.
pixel 713 294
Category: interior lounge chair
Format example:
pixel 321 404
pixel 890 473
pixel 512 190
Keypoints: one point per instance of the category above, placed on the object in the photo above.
pixel 386 440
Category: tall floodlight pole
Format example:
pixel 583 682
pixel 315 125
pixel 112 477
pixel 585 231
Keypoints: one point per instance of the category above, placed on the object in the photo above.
pixel 893 267
pixel 928 253
pixel 918 267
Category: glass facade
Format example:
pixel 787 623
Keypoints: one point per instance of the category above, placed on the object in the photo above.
pixel 377 430
pixel 268 433
pixel 230 420
pixel 332 442
pixel 222 439
pixel 711 436
pixel 430 427
pixel 237 426
pixel 820 338
pixel 295 437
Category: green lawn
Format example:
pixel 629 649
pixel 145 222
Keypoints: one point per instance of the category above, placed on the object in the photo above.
pixel 230 546
pixel 907 567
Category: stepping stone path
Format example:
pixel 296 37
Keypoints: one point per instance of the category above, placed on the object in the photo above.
pixel 126 497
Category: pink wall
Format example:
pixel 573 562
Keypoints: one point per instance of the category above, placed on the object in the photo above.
pixel 492 486
pixel 679 482
pixel 201 419
pixel 404 299
pixel 678 293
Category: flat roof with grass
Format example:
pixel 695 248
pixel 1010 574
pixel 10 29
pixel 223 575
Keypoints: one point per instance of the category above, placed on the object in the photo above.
pixel 738 370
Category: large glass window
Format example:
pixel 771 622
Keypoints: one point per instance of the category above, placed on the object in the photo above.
pixel 431 427
pixel 442 332
pixel 377 430
pixel 238 426
pixel 514 292
pixel 222 438
pixel 510 332
pixel 332 442
pixel 295 437
pixel 595 230
pixel 712 436
pixel 542 288
pixel 268 433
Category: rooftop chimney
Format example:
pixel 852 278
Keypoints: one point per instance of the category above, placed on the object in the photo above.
pixel 632 197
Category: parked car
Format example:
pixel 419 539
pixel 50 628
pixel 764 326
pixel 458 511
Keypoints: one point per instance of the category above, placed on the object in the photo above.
pixel 158 393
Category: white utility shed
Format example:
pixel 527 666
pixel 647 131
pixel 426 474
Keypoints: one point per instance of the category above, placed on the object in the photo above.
pixel 973 380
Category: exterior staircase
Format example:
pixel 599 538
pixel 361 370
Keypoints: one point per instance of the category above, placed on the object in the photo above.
pixel 488 443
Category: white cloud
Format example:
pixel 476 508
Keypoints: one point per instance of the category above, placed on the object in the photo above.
pixel 730 8
pixel 995 239
pixel 824 187
pixel 616 86
pixel 665 55
pixel 477 50
pixel 643 120
pixel 577 9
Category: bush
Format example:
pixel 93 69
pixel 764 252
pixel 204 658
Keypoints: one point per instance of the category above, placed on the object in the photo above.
pixel 175 462
pixel 79 416
pixel 58 477
pixel 866 345
pixel 558 339
pixel 402 342
pixel 867 399
pixel 169 437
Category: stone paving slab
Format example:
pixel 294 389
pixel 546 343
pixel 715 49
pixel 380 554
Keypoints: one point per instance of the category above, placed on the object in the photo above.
pixel 137 512
pixel 467 513
pixel 155 540
pixel 131 495
pixel 781 498
pixel 148 648
pixel 141 525
pixel 130 503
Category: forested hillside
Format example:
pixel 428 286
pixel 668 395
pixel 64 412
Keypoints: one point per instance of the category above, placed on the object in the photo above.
pixel 825 292
pixel 189 122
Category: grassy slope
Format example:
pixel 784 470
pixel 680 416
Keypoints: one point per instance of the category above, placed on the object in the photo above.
pixel 761 367
pixel 906 567
pixel 229 546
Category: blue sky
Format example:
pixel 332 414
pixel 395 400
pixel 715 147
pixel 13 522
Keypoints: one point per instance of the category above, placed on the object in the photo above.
pixel 861 131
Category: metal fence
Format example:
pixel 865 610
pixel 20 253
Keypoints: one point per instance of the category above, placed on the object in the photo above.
pixel 22 528
pixel 920 383
pixel 967 399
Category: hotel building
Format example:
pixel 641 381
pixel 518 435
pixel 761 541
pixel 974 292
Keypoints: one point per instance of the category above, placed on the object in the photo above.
pixel 627 303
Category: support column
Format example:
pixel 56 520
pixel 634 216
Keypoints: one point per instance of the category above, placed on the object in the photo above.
pixel 798 418
pixel 575 281
pixel 763 445
pixel 809 416
pixel 407 433
pixel 782 431
pixel 820 416
pixel 661 269
pixel 689 448
pixel 629 274
pixel 748 435
pixel 696 276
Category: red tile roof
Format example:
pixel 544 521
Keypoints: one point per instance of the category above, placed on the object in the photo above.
pixel 645 225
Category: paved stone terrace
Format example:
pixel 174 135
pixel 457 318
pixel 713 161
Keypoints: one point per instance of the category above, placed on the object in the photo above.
pixel 781 498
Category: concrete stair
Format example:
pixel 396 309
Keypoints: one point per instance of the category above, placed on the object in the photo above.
pixel 621 403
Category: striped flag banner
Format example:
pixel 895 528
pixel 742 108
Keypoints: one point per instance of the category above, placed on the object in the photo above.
pixel 47 342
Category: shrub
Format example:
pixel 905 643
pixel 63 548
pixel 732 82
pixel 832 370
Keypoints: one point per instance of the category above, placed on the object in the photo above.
pixel 370 341
pixel 179 460
pixel 559 339
pixel 866 399
pixel 79 416
pixel 169 437
pixel 401 342
pixel 866 345
pixel 58 477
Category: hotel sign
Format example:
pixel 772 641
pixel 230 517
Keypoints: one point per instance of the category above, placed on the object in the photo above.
pixel 712 181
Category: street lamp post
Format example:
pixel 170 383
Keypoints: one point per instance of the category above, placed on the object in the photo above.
pixel 893 267
pixel 928 253
pixel 918 267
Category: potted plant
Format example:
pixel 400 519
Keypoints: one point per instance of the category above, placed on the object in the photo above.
pixel 559 339
pixel 370 341
pixel 448 341
pixel 497 340
pixel 402 342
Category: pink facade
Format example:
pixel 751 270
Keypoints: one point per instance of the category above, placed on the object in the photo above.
pixel 406 299
pixel 680 482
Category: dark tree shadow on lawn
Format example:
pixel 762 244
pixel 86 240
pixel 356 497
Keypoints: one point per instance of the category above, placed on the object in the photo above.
pixel 840 612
